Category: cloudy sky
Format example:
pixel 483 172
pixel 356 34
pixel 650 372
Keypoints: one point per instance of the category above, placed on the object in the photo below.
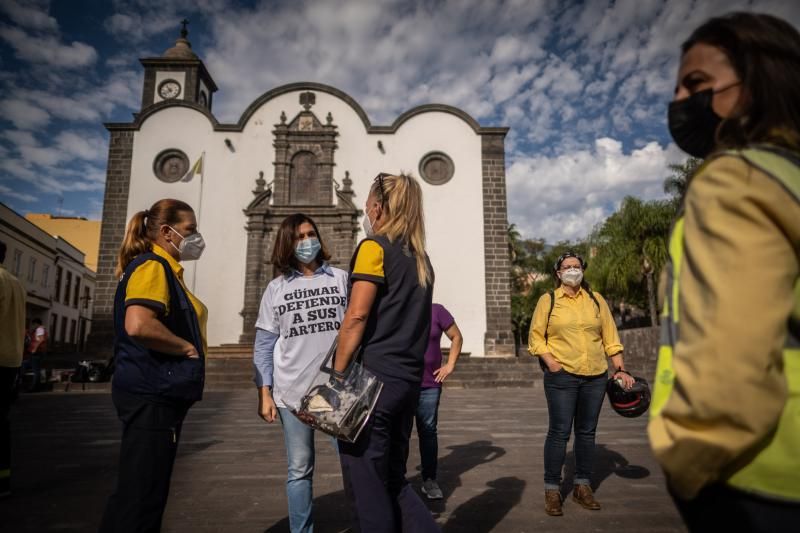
pixel 582 85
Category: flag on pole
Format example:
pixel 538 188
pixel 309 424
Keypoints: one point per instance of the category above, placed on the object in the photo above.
pixel 197 169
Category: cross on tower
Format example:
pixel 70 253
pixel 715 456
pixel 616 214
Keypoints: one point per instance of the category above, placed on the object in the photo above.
pixel 184 31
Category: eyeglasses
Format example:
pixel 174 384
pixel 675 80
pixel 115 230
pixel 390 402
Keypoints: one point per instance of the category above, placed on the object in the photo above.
pixel 379 179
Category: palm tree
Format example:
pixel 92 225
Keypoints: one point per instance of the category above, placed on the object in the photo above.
pixel 514 242
pixel 632 248
pixel 676 184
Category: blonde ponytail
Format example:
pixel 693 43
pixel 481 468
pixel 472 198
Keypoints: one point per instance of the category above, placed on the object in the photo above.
pixel 404 218
pixel 135 242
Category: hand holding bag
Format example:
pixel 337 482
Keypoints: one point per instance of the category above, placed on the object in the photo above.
pixel 339 405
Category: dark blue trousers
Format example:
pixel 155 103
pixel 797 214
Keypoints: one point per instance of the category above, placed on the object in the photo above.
pixel 150 436
pixel 374 467
pixel 8 383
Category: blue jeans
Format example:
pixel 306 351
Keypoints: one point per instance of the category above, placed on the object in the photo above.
pixel 299 441
pixel 427 418
pixel 571 398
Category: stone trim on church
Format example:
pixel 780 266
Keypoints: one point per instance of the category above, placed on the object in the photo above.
pixel 112 232
pixel 499 338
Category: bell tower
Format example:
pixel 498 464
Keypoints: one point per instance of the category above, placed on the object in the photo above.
pixel 178 75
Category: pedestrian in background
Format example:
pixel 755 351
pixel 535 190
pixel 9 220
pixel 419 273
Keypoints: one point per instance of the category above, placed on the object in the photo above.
pixel 288 338
pixel 433 376
pixel 725 421
pixel 12 335
pixel 159 350
pixel 573 333
pixel 35 352
pixel 386 326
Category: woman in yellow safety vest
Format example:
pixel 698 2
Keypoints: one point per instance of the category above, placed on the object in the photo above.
pixel 725 422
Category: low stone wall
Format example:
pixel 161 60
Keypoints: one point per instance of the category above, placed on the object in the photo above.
pixel 641 351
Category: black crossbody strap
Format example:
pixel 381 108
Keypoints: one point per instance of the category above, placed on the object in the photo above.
pixel 550 312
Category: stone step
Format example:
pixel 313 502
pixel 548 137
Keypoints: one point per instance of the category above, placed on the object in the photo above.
pixel 233 369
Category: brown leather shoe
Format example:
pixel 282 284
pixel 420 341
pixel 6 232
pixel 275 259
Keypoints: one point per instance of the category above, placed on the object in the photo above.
pixel 584 496
pixel 552 502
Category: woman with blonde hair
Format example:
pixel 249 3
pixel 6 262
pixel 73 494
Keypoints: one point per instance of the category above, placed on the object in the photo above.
pixel 159 350
pixel 386 326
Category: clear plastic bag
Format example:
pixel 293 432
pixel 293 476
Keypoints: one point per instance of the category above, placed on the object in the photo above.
pixel 338 407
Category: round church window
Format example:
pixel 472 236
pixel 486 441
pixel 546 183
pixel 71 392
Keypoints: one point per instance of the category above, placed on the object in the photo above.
pixel 171 165
pixel 436 168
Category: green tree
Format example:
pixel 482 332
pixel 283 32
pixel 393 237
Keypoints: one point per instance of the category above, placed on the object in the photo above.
pixel 523 257
pixel 630 249
pixel 676 184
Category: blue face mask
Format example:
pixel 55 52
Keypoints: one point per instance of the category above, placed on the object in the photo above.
pixel 306 250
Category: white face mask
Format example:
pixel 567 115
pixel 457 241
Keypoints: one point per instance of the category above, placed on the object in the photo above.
pixel 369 231
pixel 191 247
pixel 572 276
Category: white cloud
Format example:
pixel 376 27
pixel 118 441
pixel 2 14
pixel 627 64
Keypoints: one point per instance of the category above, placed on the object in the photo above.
pixel 137 21
pixel 8 192
pixel 137 27
pixel 87 147
pixel 390 55
pixel 515 49
pixel 47 49
pixel 565 196
pixel 12 168
pixel 69 163
pixel 23 114
pixel 29 15
pixel 506 84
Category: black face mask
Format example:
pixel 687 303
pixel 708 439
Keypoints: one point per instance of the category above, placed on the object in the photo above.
pixel 693 123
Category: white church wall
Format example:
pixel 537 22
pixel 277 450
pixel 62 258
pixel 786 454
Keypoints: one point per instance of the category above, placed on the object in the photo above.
pixel 453 211
pixel 218 277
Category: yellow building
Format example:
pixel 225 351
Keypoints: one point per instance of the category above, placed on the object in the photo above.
pixel 83 234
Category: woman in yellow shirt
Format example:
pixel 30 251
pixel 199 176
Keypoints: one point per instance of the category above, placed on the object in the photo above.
pixel 159 351
pixel 572 337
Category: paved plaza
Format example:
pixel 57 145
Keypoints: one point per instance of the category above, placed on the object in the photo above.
pixel 230 471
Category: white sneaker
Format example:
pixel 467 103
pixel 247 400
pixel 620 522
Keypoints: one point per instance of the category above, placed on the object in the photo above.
pixel 431 489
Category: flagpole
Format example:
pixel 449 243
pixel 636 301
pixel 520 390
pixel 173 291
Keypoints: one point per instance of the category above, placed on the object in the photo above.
pixel 199 210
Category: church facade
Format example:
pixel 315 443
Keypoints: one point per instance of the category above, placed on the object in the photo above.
pixel 310 148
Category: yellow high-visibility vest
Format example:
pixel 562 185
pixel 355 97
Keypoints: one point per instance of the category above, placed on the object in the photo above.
pixel 774 470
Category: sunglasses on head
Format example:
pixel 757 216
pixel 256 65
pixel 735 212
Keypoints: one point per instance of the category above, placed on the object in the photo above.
pixel 379 179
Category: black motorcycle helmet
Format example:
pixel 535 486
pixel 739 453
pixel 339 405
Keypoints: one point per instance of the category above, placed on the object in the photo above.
pixel 629 403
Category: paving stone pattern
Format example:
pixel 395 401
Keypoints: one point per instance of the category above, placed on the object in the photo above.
pixel 230 471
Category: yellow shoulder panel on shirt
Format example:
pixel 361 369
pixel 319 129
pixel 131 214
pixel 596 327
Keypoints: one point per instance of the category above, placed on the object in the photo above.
pixel 369 261
pixel 148 286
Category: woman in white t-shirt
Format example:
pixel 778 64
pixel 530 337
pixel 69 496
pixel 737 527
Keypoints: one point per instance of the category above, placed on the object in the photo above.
pixel 299 317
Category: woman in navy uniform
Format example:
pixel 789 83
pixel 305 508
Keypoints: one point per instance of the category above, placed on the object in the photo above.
pixel 159 350
pixel 387 325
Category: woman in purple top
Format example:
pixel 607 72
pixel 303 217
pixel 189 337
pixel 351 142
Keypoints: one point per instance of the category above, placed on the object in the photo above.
pixel 428 408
